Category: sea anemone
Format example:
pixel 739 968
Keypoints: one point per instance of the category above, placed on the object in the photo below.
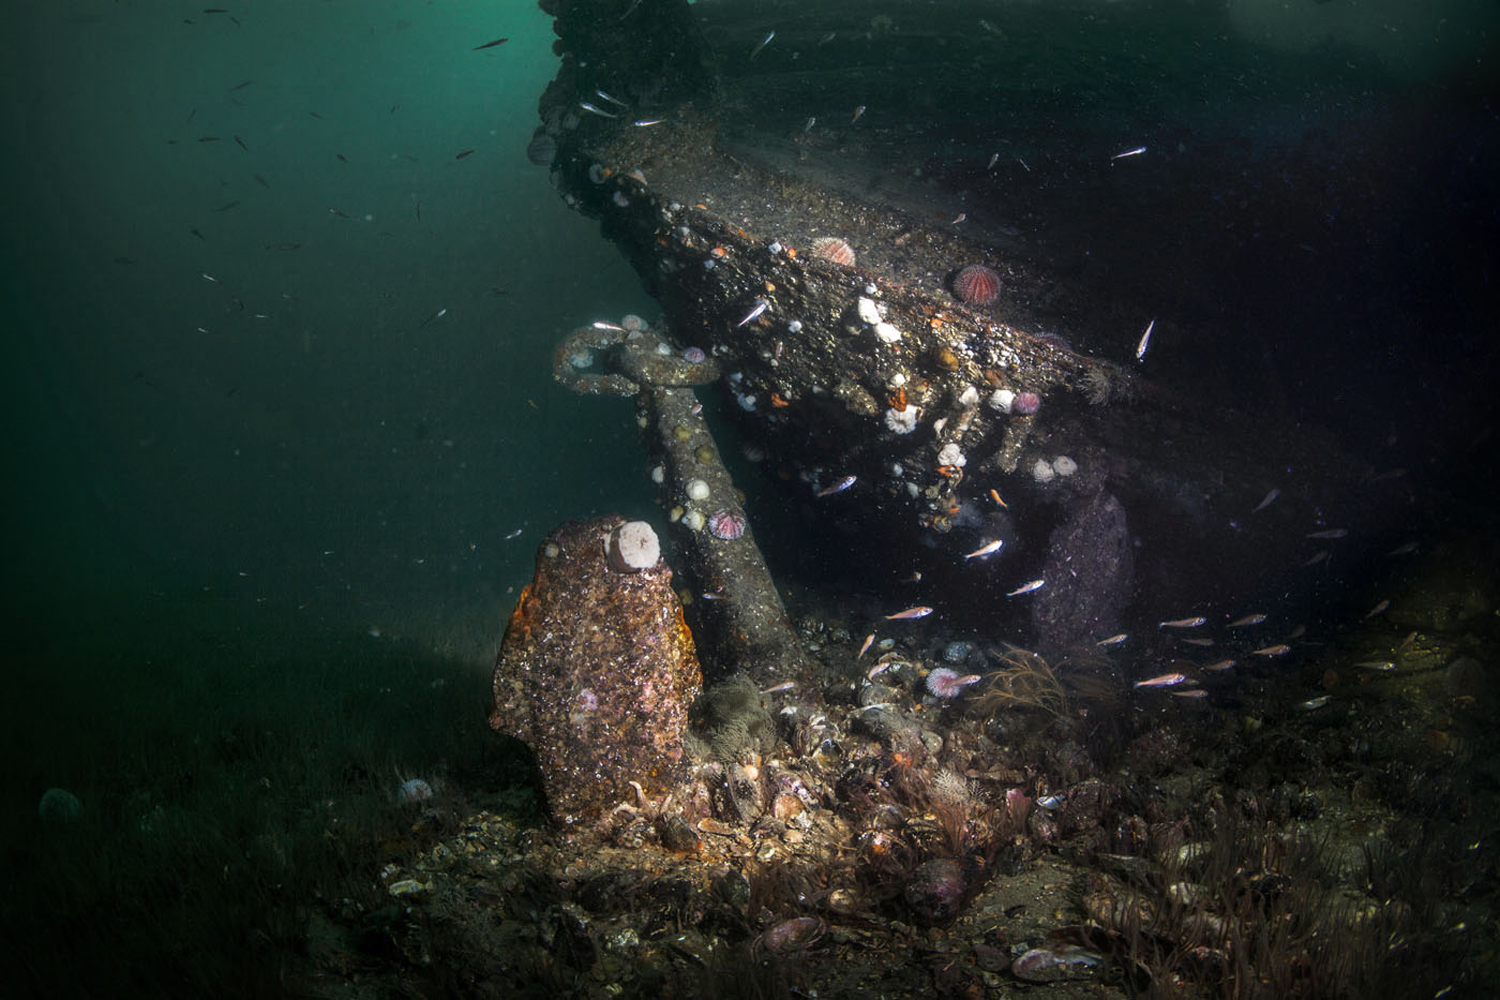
pixel 632 547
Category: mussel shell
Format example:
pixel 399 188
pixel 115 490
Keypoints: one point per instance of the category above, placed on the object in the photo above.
pixel 793 935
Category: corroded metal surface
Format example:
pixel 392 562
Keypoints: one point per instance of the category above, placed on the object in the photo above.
pixel 596 674
pixel 736 608
pixel 812 357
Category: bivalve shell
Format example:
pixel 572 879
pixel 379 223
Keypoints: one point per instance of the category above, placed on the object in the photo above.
pixel 793 935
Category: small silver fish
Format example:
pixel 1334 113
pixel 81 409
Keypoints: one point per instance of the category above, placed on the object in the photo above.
pixel 1203 641
pixel 643 122
pixel 1184 622
pixel 1140 348
pixel 857 112
pixel 1380 665
pixel 988 548
pixel 1221 665
pixel 1377 609
pixel 1254 619
pixel 920 611
pixel 599 324
pixel 761 305
pixel 1280 649
pixel 1162 681
pixel 865 647
pixel 1404 549
pixel 1316 559
pixel 1189 693
pixel 1050 802
pixel 1313 704
pixel 1027 588
pixel 1330 533
pixel 778 688
pixel 810 123
pixel 1270 498
pixel 994 159
pixel 613 100
pixel 1113 640
pixel 1137 151
pixel 593 110
pixel 763 43
pixel 838 487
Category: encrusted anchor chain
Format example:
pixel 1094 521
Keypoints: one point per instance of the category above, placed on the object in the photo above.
pixel 610 360
pixel 739 620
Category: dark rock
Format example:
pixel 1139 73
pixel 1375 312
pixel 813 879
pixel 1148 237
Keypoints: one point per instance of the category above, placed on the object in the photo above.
pixel 1089 573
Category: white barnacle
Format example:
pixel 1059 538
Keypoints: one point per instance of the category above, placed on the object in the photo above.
pixel 869 312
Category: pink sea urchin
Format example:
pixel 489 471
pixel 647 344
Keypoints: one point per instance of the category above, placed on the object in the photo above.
pixel 1025 404
pixel 977 285
pixel 726 524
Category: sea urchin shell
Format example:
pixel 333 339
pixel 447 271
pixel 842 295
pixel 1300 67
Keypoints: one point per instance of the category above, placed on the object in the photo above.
pixel 726 524
pixel 977 285
pixel 833 249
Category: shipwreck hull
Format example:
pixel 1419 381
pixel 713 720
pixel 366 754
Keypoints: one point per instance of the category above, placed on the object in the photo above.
pixel 949 417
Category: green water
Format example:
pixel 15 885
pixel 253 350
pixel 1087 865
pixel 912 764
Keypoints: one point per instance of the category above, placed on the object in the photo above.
pixel 260 526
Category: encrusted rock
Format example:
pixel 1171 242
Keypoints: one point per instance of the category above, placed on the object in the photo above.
pixel 596 673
